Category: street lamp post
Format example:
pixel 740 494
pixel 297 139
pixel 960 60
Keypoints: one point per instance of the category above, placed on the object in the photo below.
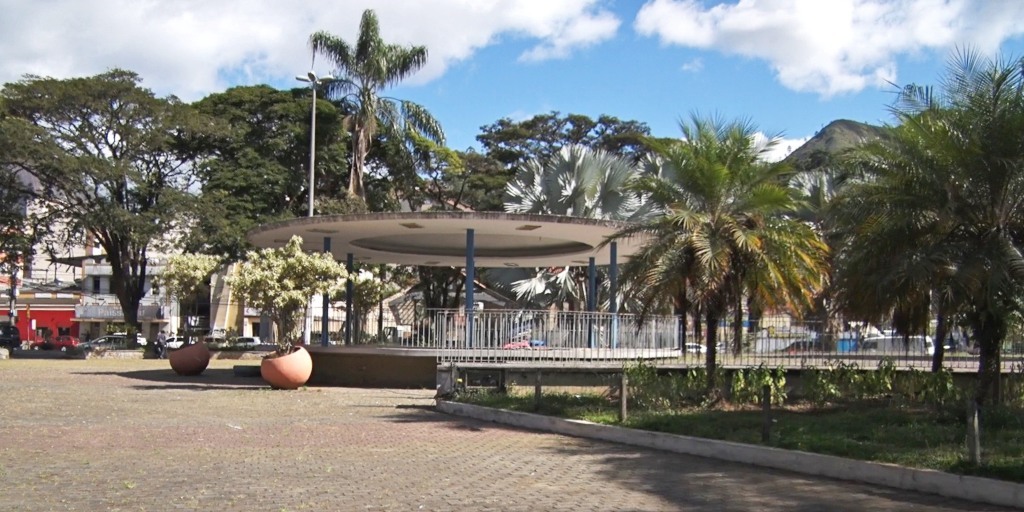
pixel 313 82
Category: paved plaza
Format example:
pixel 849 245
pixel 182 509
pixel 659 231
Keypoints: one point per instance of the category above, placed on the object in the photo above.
pixel 129 435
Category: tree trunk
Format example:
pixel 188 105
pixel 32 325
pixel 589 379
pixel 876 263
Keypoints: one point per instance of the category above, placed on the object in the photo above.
pixel 360 148
pixel 127 287
pixel 380 320
pixel 712 350
pixel 698 332
pixel 990 331
pixel 682 309
pixel 737 328
pixel 940 336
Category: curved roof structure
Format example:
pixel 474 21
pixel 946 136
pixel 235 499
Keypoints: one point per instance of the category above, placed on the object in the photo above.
pixel 439 238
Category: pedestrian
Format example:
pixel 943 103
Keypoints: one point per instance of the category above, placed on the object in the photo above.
pixel 161 345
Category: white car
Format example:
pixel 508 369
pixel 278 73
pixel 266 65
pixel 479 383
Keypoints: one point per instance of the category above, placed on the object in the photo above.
pixel 174 342
pixel 140 338
pixel 695 348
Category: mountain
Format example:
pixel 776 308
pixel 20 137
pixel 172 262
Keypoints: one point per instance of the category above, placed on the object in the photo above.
pixel 835 137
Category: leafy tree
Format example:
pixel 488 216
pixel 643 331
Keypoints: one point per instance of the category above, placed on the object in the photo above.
pixel 187 275
pixel 364 70
pixel 725 231
pixel 482 182
pixel 280 281
pixel 109 160
pixel 371 287
pixel 514 143
pixel 258 170
pixel 945 205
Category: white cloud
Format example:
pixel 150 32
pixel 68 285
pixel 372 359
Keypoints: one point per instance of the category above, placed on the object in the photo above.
pixel 832 46
pixel 782 148
pixel 572 33
pixel 194 47
pixel 693 65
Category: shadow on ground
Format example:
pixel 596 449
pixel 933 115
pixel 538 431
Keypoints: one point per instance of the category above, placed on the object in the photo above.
pixel 211 378
pixel 686 481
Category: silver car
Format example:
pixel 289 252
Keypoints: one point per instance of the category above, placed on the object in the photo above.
pixel 248 342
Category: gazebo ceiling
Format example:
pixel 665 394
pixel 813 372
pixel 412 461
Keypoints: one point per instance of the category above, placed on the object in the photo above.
pixel 439 238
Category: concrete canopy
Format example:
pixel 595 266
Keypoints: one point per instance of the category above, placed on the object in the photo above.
pixel 439 238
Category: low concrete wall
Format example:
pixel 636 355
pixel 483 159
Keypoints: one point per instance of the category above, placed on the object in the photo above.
pixel 376 367
pixel 981 490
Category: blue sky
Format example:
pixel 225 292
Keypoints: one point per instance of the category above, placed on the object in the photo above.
pixel 789 66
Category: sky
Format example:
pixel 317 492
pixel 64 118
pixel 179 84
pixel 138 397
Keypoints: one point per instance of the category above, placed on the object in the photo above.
pixel 788 66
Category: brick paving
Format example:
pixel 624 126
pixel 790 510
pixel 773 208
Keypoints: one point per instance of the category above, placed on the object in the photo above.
pixel 129 435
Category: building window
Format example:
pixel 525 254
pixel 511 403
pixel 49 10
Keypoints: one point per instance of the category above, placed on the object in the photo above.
pixel 96 285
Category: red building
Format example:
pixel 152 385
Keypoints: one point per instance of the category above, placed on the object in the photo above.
pixel 43 313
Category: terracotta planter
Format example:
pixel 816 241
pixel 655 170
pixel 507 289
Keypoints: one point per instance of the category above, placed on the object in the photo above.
pixel 289 371
pixel 190 359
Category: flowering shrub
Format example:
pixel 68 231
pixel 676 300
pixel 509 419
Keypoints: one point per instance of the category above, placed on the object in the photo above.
pixel 281 281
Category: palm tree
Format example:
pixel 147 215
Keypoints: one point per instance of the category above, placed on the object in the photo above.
pixel 725 231
pixel 364 70
pixel 577 181
pixel 954 180
pixel 891 249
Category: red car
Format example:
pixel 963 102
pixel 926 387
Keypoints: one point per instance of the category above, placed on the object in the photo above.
pixel 65 343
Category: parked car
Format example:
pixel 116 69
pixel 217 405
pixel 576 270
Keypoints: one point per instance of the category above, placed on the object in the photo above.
pixel 695 348
pixel 65 343
pixel 140 338
pixel 108 342
pixel 248 342
pixel 895 344
pixel 40 344
pixel 174 342
pixel 216 342
pixel 10 337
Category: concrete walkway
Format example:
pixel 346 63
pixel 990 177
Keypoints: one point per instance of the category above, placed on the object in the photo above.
pixel 130 435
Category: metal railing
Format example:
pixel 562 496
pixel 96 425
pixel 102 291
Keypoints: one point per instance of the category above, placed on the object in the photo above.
pixel 602 339
pixel 553 337
pixel 582 339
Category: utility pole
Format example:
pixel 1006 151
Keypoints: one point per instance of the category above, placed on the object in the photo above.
pixel 12 311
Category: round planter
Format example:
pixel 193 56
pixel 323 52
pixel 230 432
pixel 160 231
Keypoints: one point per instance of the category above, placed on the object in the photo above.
pixel 289 371
pixel 190 359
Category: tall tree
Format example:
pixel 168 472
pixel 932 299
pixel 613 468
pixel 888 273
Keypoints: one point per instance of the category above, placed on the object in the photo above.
pixel 514 143
pixel 946 202
pixel 726 230
pixel 258 165
pixel 110 161
pixel 364 70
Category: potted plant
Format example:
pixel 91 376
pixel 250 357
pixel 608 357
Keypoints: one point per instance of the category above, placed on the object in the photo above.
pixel 280 283
pixel 183 277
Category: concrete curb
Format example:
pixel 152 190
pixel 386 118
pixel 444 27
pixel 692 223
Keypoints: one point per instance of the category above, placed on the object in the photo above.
pixel 970 488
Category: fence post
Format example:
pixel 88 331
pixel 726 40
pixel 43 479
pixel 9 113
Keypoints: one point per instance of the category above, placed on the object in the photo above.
pixel 536 392
pixel 973 432
pixel 623 396
pixel 766 413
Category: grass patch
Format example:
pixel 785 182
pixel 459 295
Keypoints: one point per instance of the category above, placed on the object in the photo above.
pixel 874 430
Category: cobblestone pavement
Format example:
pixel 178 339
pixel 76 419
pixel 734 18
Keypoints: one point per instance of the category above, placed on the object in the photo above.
pixel 130 435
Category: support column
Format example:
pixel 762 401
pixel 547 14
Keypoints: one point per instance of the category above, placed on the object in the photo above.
pixel 470 287
pixel 613 282
pixel 324 325
pixel 349 294
pixel 591 300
